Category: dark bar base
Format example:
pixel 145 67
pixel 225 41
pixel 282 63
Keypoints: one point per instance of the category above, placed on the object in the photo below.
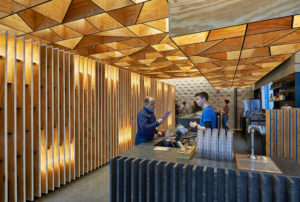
pixel 134 179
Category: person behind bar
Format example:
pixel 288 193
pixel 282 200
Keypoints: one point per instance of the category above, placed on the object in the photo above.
pixel 208 118
pixel 225 112
pixel 147 123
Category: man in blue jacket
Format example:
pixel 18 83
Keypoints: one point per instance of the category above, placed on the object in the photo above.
pixel 147 123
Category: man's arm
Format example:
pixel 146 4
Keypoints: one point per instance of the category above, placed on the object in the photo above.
pixel 142 121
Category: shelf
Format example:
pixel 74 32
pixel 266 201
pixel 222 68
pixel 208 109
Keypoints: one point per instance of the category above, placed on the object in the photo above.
pixel 283 101
pixel 282 87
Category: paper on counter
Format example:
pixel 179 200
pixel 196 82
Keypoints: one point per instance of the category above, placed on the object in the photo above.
pixel 161 148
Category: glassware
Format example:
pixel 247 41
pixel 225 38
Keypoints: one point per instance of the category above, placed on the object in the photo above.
pixel 222 145
pixel 200 142
pixel 214 144
pixel 207 139
pixel 229 145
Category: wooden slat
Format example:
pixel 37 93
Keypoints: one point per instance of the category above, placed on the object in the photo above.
pixel 286 134
pixel 3 117
pixel 293 134
pixel 67 117
pixel 81 105
pixel 94 114
pixel 77 115
pixel 280 133
pixel 11 119
pixel 56 119
pixel 20 104
pixel 50 118
pixel 273 133
pixel 62 117
pixel 29 119
pixel 85 119
pixel 36 119
pixel 44 121
pixel 72 117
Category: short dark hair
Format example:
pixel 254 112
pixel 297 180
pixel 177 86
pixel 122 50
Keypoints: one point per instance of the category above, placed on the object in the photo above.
pixel 184 102
pixel 202 95
pixel 227 101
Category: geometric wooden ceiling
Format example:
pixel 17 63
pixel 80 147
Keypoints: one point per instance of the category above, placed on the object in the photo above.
pixel 133 34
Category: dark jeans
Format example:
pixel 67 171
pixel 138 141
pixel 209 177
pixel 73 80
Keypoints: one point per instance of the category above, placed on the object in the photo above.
pixel 224 121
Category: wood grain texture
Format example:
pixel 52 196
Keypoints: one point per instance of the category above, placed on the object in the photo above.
pixel 68 115
pixel 220 14
pixel 283 130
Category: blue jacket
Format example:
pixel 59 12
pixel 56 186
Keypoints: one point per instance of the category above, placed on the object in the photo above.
pixel 147 124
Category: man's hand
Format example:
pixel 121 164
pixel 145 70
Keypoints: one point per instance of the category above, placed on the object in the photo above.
pixel 165 116
pixel 193 124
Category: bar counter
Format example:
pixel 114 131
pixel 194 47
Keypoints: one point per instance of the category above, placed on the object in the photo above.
pixel 142 174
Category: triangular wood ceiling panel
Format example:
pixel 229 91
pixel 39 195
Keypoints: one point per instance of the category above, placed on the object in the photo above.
pixel 154 39
pixel 47 34
pixel 80 9
pixel 127 16
pixel 133 34
pixel 35 20
pixel 10 30
pixel 108 5
pixel 30 3
pixel 15 21
pixel 65 32
pixel 82 26
pixel 104 22
pixel 10 6
pixel 70 43
pixel 153 10
pixel 55 9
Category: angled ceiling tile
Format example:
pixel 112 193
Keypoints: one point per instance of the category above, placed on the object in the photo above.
pixel 55 9
pixel 162 25
pixel 48 35
pixel 70 43
pixel 123 32
pixel 80 9
pixel 269 25
pixel 35 20
pixel 154 10
pixel 65 32
pixel 16 22
pixel 104 22
pixel 111 5
pixel 143 30
pixel 82 26
pixel 127 16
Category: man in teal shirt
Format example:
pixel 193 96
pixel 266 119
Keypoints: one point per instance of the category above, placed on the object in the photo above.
pixel 208 118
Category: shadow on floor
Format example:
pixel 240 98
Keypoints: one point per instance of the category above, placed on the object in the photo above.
pixel 91 187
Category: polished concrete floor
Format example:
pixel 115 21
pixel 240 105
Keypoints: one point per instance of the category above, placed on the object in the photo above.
pixel 91 187
pixel 95 185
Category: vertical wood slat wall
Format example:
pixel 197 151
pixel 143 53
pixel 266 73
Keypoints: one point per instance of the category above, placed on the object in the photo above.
pixel 63 115
pixel 283 134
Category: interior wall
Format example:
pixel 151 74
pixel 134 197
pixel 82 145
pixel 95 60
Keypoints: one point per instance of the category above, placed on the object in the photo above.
pixel 187 88
pixel 64 115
